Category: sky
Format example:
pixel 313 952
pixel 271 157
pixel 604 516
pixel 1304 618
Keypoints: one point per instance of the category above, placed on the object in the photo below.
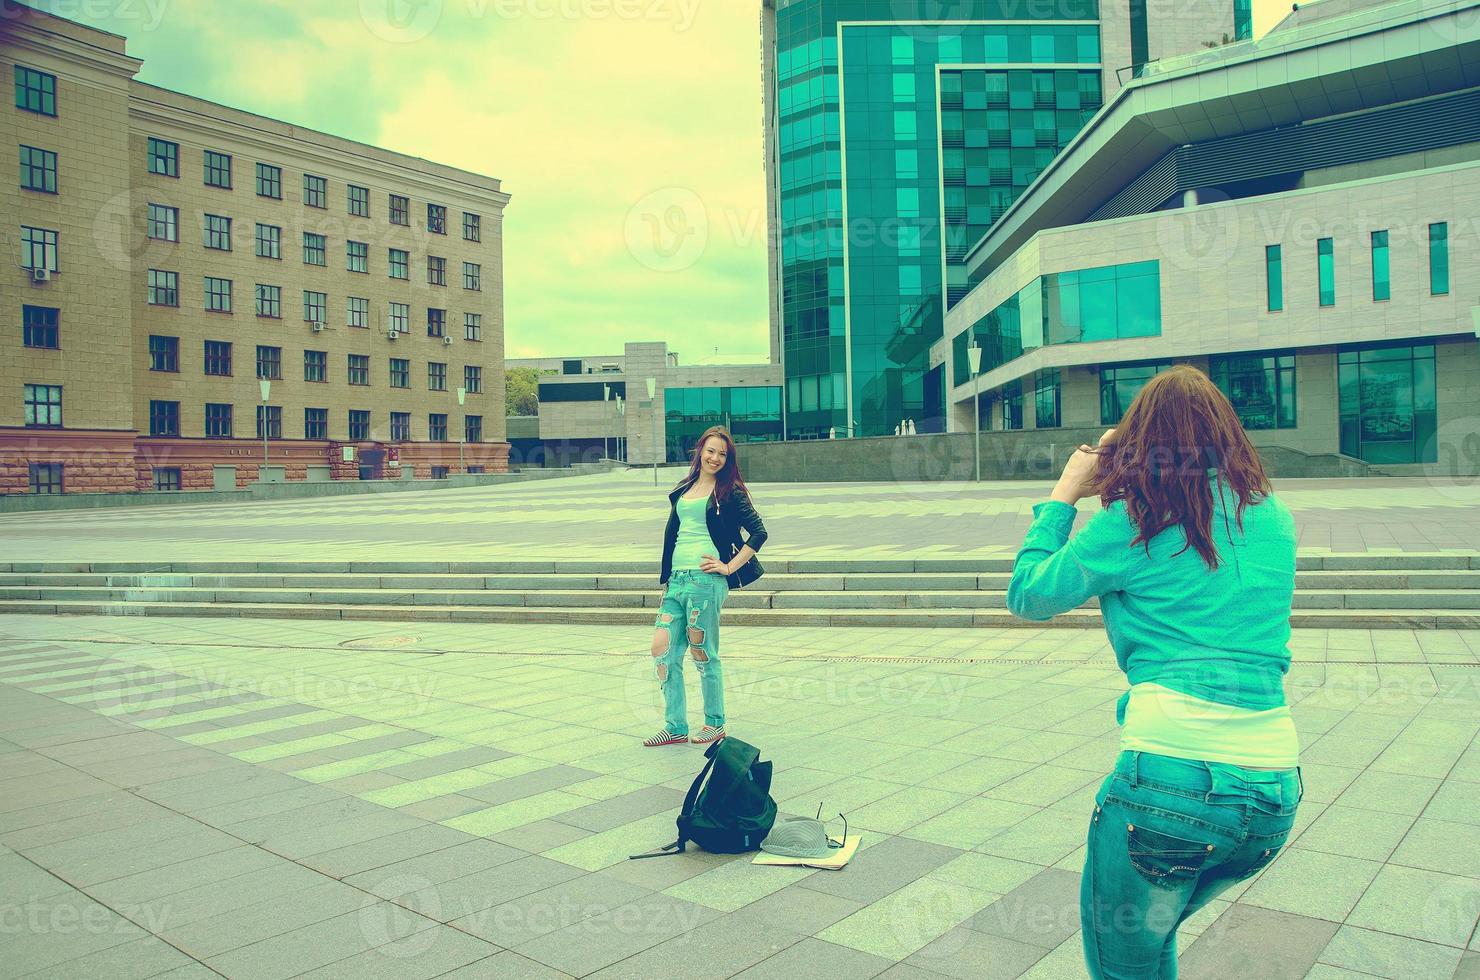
pixel 628 133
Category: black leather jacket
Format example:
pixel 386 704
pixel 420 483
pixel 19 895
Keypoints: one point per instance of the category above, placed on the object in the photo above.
pixel 725 522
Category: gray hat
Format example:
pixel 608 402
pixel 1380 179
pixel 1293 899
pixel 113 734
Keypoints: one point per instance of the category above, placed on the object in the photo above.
pixel 801 837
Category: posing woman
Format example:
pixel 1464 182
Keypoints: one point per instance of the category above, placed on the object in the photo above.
pixel 1193 560
pixel 706 512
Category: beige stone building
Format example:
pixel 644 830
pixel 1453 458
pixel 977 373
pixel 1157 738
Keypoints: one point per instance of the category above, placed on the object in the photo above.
pixel 169 254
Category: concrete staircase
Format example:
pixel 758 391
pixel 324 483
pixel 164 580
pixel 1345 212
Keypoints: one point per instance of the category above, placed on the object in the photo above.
pixel 1406 591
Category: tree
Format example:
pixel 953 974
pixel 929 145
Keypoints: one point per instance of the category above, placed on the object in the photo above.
pixel 522 391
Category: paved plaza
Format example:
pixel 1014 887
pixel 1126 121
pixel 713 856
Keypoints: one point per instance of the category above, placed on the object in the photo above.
pixel 268 798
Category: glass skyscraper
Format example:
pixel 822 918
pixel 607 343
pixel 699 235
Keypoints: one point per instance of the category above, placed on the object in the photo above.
pixel 898 131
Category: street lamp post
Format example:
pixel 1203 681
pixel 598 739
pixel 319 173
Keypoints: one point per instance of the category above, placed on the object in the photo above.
pixel 621 426
pixel 652 390
pixel 606 396
pixel 974 355
pixel 462 394
pixel 266 388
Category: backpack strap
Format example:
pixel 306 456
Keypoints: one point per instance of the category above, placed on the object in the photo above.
pixel 677 847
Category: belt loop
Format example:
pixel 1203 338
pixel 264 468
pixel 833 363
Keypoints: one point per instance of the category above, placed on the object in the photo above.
pixel 1301 781
pixel 1212 781
pixel 1135 767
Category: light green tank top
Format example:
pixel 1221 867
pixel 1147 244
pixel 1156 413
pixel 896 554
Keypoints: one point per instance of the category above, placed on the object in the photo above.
pixel 693 541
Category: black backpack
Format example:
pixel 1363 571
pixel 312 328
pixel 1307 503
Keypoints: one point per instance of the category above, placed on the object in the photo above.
pixel 734 811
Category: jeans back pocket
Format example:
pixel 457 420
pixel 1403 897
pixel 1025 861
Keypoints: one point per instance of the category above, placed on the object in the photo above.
pixel 1164 859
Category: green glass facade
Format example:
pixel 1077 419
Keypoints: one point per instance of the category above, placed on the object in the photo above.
pixel 1119 386
pixel 1325 272
pixel 1381 287
pixel 752 414
pixel 1106 303
pixel 1389 403
pixel 1274 279
pixel 1047 399
pixel 1261 387
pixel 858 148
pixel 1439 259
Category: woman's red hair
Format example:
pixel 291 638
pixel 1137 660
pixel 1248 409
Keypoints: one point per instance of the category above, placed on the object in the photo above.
pixel 728 477
pixel 1178 428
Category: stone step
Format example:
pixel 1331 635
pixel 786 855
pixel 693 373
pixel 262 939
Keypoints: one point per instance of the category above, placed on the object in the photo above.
pixel 751 598
pixel 1391 581
pixel 1425 619
pixel 1368 561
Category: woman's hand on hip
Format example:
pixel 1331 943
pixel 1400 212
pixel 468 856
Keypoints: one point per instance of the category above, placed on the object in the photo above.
pixel 709 563
pixel 1076 482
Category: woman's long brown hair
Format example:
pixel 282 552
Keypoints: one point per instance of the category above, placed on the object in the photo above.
pixel 728 477
pixel 1178 428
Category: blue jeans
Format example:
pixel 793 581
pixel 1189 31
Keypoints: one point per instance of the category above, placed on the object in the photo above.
pixel 690 614
pixel 1166 837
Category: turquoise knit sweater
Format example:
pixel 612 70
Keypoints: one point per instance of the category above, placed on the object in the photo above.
pixel 1218 635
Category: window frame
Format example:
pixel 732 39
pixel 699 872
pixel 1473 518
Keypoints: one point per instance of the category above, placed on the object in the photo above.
pixel 269 181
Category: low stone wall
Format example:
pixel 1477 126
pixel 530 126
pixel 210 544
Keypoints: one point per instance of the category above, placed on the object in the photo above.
pixel 1027 454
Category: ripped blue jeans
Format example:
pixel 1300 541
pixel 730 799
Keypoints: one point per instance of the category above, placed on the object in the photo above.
pixel 690 616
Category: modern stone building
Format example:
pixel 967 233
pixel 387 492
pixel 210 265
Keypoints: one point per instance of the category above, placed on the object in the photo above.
pixel 1296 214
pixel 169 252
pixel 897 132
pixel 599 406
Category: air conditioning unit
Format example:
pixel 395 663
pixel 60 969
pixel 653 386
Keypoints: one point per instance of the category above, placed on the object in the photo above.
pixel 392 334
pixel 446 341
pixel 317 325
pixel 41 274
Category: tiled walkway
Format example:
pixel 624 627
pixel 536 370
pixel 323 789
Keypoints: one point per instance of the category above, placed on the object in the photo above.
pixel 620 515
pixel 275 799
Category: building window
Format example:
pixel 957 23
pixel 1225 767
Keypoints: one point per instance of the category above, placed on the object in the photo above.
pixel 218 169
pixel 437 427
pixel 315 365
pixel 43 406
pixel 164 353
pixel 46 478
pixel 269 181
pixel 164 157
pixel 164 418
pixel 400 372
pixel 400 318
pixel 472 227
pixel 359 424
pixel 357 311
pixel 218 358
pixel 1047 399
pixel 162 223
pixel 399 264
pixel 1274 279
pixel 359 200
pixel 357 256
pixel 472 276
pixel 218 232
pixel 166 478
pixel 1260 386
pixel 269 362
pixel 472 428
pixel 472 326
pixel 359 369
pixel 1388 399
pixel 39 326
pixel 218 295
pixel 315 191
pixel 269 241
pixel 1439 259
pixel 274 418
pixel 315 249
pixel 436 322
pixel 270 301
pixel 1119 386
pixel 315 306
pixel 436 270
pixel 400 210
pixel 473 379
pixel 38 170
pixel 1326 272
pixel 437 219
pixel 315 423
pixel 35 91
pixel 400 426
pixel 164 288
pixel 218 420
pixel 1381 286
pixel 38 248
pixel 1012 406
pixel 436 376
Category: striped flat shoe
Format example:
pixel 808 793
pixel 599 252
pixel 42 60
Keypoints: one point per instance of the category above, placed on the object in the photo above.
pixel 707 734
pixel 665 737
